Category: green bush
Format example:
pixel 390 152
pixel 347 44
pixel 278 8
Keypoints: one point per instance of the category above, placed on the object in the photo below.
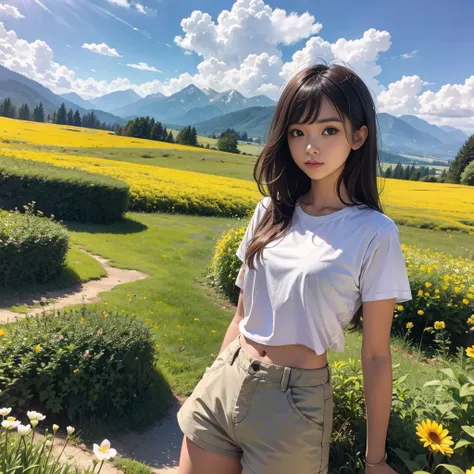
pixel 32 248
pixel 78 364
pixel 467 176
pixel 68 194
pixel 225 264
pixel 443 298
pixel 451 407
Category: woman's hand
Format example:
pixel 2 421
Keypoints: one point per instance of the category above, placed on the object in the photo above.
pixel 380 469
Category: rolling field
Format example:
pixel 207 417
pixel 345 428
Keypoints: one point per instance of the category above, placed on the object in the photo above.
pixel 157 170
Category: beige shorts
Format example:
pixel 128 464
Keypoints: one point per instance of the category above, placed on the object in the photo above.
pixel 275 419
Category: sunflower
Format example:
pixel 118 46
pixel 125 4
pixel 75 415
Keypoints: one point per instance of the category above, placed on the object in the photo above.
pixel 433 435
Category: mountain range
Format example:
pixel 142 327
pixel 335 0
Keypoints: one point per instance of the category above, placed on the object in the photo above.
pixel 23 90
pixel 188 105
pixel 211 112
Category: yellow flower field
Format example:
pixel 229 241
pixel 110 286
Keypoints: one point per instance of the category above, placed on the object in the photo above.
pixel 34 133
pixel 154 188
pixel 431 205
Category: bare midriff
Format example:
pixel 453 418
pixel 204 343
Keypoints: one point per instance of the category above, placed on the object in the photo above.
pixel 291 355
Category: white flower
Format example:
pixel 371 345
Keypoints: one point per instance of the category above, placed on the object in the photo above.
pixel 10 423
pixel 24 430
pixel 34 415
pixel 70 430
pixel 55 428
pixel 5 411
pixel 48 442
pixel 104 451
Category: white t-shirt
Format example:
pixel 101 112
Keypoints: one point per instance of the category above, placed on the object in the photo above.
pixel 316 275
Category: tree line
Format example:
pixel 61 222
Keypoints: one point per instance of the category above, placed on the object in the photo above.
pixel 147 128
pixel 461 170
pixel 411 172
pixel 62 116
pixel 151 129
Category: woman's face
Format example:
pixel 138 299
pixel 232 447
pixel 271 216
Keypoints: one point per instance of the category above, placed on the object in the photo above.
pixel 324 141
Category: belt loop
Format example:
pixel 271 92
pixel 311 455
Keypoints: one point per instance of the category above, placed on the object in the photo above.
pixel 285 378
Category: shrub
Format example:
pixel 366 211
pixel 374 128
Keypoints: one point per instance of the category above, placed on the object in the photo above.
pixel 78 364
pixel 225 264
pixel 32 248
pixel 467 176
pixel 443 293
pixel 68 194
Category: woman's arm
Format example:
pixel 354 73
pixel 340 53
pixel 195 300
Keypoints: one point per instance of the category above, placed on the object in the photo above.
pixel 377 373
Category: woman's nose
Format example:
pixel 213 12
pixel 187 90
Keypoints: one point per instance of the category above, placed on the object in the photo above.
pixel 312 148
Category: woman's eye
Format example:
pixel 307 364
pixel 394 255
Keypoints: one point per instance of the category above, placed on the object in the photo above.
pixel 333 129
pixel 295 130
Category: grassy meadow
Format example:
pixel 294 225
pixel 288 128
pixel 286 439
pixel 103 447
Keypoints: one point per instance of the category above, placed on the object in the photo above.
pixel 190 319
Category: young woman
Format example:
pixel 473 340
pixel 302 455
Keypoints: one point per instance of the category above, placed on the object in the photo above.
pixel 317 254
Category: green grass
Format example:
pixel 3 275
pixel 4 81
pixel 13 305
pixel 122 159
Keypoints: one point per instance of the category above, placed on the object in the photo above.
pixel 252 149
pixel 80 267
pixel 228 165
pixel 174 250
pixel 453 243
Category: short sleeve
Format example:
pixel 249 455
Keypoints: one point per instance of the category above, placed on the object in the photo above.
pixel 239 281
pixel 249 231
pixel 383 273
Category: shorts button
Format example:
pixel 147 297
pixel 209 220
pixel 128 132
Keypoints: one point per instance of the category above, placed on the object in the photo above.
pixel 256 367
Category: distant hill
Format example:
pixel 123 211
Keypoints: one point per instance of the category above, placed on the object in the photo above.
pixel 116 100
pixel 253 120
pixel 78 100
pixel 15 83
pixel 397 136
pixel 141 108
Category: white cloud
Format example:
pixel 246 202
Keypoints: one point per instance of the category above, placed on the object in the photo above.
pixel 169 46
pixel 452 104
pixel 401 97
pixel 101 48
pixel 10 11
pixel 188 53
pixel 144 67
pixel 250 27
pixel 409 55
pixel 120 3
pixel 360 54
pixel 140 8
pixel 93 70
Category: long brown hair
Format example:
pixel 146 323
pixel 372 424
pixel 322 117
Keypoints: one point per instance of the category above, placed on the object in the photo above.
pixel 300 102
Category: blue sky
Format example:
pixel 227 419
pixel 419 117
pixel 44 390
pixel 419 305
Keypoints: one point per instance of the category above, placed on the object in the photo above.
pixel 406 51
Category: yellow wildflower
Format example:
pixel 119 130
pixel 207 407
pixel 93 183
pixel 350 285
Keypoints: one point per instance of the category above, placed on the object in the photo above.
pixel 434 436
pixel 420 312
pixel 409 325
pixel 439 325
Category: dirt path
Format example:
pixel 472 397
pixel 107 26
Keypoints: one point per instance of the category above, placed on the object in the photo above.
pixel 159 446
pixel 78 293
